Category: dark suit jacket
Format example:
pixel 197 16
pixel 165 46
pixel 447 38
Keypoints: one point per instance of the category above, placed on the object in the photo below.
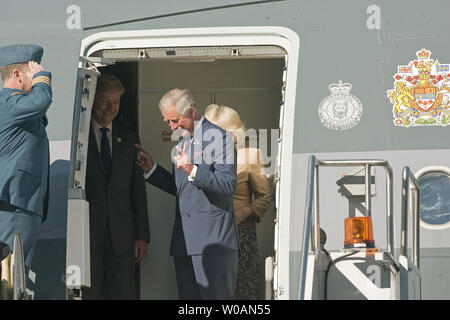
pixel 204 221
pixel 120 202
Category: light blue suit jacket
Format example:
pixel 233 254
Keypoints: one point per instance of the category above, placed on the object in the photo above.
pixel 204 221
pixel 24 148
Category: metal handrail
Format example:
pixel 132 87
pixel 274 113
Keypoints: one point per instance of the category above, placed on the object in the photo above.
pixel 408 177
pixel 307 224
pixel 311 241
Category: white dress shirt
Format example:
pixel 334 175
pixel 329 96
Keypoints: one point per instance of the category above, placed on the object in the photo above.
pixel 98 134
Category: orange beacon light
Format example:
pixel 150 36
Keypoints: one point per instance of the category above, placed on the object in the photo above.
pixel 359 233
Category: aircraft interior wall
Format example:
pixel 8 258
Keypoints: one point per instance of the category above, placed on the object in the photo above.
pixel 253 88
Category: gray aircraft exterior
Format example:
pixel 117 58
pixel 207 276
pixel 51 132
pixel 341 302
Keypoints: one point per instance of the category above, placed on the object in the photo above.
pixel 350 79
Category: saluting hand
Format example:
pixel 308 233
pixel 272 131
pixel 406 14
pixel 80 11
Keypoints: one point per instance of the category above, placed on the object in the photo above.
pixel 33 68
pixel 143 159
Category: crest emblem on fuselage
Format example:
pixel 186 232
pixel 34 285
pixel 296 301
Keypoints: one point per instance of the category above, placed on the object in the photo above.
pixel 421 94
pixel 340 110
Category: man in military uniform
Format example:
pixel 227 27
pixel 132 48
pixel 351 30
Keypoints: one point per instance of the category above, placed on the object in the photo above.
pixel 24 149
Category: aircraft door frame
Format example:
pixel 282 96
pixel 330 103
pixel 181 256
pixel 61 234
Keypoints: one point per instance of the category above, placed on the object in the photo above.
pixel 285 232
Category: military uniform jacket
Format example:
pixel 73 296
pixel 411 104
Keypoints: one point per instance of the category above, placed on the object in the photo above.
pixel 117 205
pixel 24 149
pixel 204 220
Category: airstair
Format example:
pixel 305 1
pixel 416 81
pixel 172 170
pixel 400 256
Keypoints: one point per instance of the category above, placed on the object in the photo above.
pixel 359 271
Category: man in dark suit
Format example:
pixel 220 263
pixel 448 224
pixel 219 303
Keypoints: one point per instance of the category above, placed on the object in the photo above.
pixel 204 240
pixel 24 148
pixel 115 189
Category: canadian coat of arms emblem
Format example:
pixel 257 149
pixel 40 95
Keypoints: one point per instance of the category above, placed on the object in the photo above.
pixel 340 110
pixel 421 94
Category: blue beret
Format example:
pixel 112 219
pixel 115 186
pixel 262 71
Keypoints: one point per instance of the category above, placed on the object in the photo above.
pixel 20 53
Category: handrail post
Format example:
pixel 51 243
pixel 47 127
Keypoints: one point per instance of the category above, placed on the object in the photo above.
pixel 404 210
pixel 408 177
pixel 417 223
pixel 307 225
pixel 316 225
pixel 368 192
pixel 390 211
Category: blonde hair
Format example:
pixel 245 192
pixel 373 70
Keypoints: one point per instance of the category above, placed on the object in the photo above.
pixel 180 99
pixel 109 83
pixel 228 119
pixel 6 71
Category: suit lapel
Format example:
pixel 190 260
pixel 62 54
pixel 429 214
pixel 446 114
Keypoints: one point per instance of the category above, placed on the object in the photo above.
pixel 189 147
pixel 94 151
pixel 198 145
pixel 178 177
pixel 117 148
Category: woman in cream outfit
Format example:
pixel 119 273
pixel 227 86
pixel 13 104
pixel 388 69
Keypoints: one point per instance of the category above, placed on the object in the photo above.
pixel 251 199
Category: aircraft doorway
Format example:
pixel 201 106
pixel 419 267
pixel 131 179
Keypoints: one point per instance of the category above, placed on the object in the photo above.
pixel 233 50
pixel 253 88
pixel 250 86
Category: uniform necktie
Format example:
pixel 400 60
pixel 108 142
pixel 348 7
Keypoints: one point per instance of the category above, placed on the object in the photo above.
pixel 105 152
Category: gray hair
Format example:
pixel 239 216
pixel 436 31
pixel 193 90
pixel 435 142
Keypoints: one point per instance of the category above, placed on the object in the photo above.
pixel 180 99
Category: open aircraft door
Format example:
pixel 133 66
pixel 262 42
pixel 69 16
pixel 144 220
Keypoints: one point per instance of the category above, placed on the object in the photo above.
pixel 78 248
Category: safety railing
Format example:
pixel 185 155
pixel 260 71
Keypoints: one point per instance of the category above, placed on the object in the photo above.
pixel 407 178
pixel 311 225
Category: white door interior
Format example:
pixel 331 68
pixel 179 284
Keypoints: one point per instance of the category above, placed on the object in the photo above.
pixel 253 88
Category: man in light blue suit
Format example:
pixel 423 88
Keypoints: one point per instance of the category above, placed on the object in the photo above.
pixel 204 239
pixel 24 149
